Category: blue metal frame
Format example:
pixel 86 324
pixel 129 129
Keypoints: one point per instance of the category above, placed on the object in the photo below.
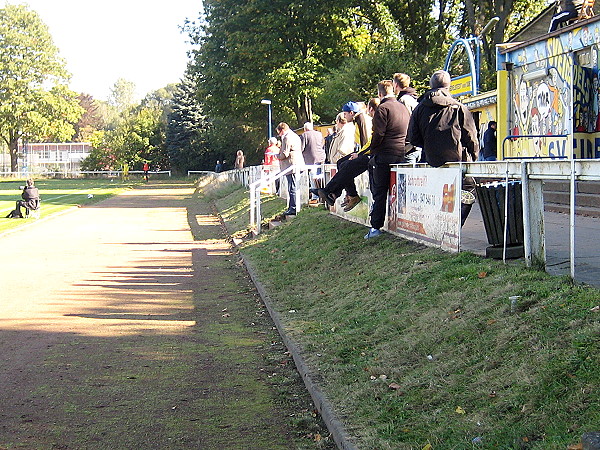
pixel 474 59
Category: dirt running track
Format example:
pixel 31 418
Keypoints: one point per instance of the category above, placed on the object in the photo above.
pixel 119 330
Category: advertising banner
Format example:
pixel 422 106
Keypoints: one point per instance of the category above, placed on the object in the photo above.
pixel 424 206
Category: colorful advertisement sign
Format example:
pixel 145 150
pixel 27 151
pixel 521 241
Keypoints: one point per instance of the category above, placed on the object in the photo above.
pixel 461 85
pixel 424 206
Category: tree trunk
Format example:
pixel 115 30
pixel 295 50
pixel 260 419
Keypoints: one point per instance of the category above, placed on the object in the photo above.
pixel 13 149
pixel 304 110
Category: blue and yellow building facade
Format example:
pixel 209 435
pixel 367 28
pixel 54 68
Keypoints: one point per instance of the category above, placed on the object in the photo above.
pixel 548 95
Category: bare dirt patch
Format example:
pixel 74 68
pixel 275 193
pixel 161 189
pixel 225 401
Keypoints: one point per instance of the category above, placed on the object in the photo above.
pixel 133 332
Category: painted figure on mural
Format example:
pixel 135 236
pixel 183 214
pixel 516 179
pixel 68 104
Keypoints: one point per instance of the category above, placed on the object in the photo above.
pixel 596 101
pixel 563 98
pixel 523 101
pixel 535 130
pixel 586 36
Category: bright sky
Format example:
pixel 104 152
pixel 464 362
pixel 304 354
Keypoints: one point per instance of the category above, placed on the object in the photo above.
pixel 102 41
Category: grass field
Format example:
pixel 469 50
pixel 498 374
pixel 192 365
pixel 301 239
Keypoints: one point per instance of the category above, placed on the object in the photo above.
pixel 57 195
pixel 417 348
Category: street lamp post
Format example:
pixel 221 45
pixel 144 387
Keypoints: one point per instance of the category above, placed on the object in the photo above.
pixel 267 102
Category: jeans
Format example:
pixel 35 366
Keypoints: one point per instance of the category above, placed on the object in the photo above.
pixel 379 181
pixel 291 180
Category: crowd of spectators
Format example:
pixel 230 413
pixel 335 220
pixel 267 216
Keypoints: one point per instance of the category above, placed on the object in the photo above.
pixel 396 127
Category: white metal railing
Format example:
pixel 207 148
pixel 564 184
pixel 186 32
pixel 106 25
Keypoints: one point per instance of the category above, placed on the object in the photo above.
pixel 255 188
pixel 243 176
pixel 532 173
pixel 77 173
pixel 302 187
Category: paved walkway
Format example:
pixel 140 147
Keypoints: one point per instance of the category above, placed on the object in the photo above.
pixel 119 330
pixel 587 243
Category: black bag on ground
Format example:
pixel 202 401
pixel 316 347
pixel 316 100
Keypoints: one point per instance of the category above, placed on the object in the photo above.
pixel 14 214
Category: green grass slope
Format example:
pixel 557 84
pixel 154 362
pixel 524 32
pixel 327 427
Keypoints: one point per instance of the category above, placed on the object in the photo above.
pixel 415 346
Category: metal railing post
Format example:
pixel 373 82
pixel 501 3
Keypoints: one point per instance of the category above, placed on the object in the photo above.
pixel 505 216
pixel 258 213
pixel 297 191
pixel 526 222
pixel 572 219
pixel 252 202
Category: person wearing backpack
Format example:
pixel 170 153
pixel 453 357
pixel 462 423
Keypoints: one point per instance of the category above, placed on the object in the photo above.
pixel 444 128
pixel 31 200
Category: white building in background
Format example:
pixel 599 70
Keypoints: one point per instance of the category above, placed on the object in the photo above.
pixel 52 157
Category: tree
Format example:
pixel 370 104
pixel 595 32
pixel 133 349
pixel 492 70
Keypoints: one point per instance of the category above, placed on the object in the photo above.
pixel 254 49
pixel 35 103
pixel 134 135
pixel 310 57
pixel 92 119
pixel 122 95
pixel 138 137
pixel 185 126
pixel 513 14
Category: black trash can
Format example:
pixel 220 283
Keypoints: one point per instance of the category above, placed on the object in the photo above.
pixel 492 197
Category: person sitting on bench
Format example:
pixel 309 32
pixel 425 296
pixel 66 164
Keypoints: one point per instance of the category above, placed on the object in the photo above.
pixel 567 10
pixel 31 199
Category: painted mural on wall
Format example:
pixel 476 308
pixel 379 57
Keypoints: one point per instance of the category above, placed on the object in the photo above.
pixel 555 92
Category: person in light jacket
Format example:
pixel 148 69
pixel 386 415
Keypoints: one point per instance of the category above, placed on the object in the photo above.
pixel 343 141
pixel 290 155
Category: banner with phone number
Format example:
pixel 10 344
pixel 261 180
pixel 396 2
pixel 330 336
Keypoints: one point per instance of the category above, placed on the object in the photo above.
pixel 424 206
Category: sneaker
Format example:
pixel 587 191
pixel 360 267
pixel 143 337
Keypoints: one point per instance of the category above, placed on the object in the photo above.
pixel 373 233
pixel 314 202
pixel 351 203
pixel 289 212
pixel 327 197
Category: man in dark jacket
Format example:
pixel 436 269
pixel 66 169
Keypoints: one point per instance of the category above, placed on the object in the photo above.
pixel 313 151
pixel 489 152
pixel 390 125
pixel 31 199
pixel 443 127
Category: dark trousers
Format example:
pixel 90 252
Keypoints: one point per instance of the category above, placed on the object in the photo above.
pixel 379 181
pixel 291 180
pixel 19 204
pixel 348 169
pixel 563 16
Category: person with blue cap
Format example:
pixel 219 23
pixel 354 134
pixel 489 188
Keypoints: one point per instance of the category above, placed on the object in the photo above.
pixel 354 164
pixel 353 113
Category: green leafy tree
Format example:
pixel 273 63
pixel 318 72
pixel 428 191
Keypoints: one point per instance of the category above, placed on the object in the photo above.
pixel 135 135
pixel 310 57
pixel 512 14
pixel 138 137
pixel 274 49
pixel 122 95
pixel 35 103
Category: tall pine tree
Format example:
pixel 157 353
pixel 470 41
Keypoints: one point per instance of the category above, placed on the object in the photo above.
pixel 185 128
